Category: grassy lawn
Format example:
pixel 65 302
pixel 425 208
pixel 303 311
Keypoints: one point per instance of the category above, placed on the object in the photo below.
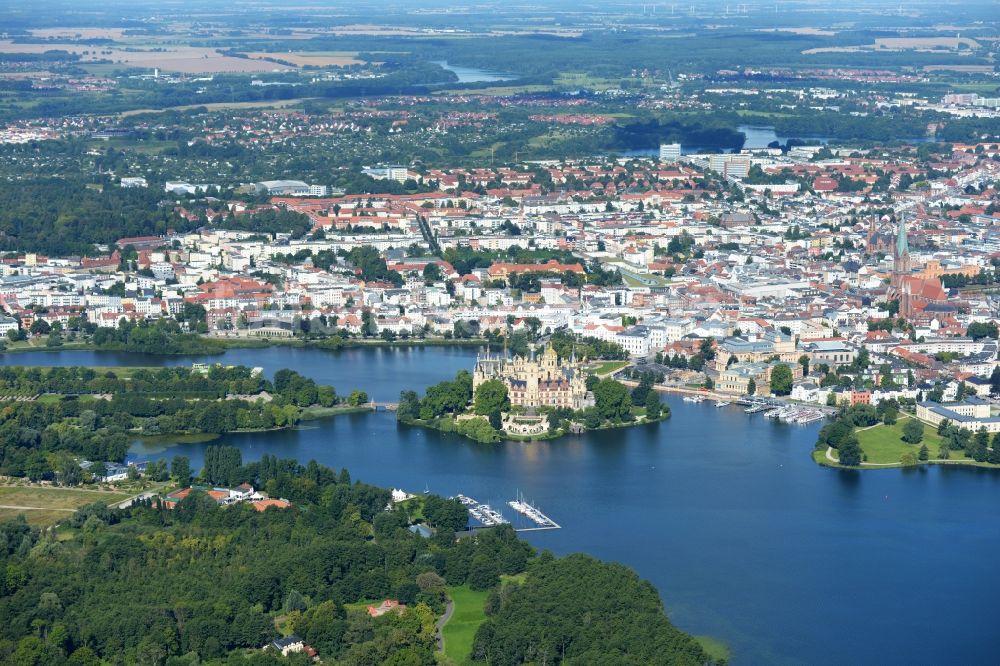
pixel 884 444
pixel 461 628
pixel 46 505
pixel 316 412
pixel 606 367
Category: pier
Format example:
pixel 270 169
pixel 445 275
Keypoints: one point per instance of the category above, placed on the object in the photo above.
pixel 531 512
pixel 484 513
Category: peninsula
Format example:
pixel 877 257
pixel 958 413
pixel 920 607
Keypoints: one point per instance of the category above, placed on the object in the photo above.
pixel 75 423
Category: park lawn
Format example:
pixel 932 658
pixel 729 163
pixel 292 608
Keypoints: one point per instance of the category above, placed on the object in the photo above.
pixel 50 504
pixel 461 629
pixel 884 444
pixel 607 367
pixel 317 412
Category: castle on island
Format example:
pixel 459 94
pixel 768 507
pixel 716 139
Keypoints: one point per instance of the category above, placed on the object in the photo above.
pixel 533 383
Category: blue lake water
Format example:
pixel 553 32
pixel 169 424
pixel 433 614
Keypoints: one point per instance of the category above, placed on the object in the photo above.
pixel 757 136
pixel 745 537
pixel 473 74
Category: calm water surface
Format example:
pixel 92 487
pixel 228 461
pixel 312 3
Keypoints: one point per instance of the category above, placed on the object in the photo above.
pixel 473 74
pixel 745 537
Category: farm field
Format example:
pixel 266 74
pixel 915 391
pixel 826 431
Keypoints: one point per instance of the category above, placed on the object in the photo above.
pixel 328 59
pixel 42 505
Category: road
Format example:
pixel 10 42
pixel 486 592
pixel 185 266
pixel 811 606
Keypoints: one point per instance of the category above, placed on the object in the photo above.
pixel 132 500
pixel 449 608
pixel 34 508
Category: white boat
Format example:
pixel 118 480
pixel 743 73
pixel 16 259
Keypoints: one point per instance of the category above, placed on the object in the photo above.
pixel 722 403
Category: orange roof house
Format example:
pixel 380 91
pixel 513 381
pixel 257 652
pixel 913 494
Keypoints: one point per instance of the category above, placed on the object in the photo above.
pixel 502 270
pixel 385 607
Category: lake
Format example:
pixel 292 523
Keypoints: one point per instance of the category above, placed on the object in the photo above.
pixel 745 537
pixel 473 74
pixel 757 137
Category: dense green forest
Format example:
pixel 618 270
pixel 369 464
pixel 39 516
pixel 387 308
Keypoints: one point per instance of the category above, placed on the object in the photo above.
pixel 162 336
pixel 65 216
pixel 212 585
pixel 269 221
pixel 569 610
pixel 95 414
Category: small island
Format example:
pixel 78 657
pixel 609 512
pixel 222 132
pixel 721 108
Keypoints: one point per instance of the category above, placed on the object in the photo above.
pixel 530 398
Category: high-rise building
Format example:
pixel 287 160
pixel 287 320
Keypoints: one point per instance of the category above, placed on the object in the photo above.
pixel 729 164
pixel 670 152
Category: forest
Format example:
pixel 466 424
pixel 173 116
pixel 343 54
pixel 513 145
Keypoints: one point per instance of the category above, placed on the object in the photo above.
pixel 522 628
pixel 95 414
pixel 65 216
pixel 204 584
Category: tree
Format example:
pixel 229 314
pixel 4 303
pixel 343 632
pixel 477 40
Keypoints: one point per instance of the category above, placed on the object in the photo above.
pixel 491 397
pixel 804 362
pixel 180 469
pixel 980 443
pixel 409 406
pixel 357 398
pixel 913 431
pixel 447 515
pixel 924 453
pixel 483 573
pixel 995 382
pixel 612 400
pixel 994 456
pixel 751 387
pixel 977 330
pixel 653 405
pixel 849 452
pixel 781 379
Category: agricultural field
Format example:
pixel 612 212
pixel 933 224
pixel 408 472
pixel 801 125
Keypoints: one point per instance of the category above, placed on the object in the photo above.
pixel 319 59
pixel 182 59
pixel 45 505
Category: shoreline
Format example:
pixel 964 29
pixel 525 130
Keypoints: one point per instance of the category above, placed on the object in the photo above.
pixel 222 344
pixel 823 459
pixel 545 437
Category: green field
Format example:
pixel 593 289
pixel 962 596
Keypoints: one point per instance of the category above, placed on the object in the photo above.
pixel 461 628
pixel 43 505
pixel 883 444
pixel 607 367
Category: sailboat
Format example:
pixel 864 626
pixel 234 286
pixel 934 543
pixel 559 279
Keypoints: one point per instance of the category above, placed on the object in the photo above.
pixel 427 490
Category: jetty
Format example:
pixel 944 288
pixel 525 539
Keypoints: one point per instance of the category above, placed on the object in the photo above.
pixel 532 513
pixel 484 513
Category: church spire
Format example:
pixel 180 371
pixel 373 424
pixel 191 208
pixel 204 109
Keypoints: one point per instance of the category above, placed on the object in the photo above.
pixel 902 245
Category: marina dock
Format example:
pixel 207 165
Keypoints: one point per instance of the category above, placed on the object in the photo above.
pixel 532 513
pixel 484 513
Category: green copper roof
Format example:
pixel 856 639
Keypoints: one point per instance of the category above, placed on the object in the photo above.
pixel 902 247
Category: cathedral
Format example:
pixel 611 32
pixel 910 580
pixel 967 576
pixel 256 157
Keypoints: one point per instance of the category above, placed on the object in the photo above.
pixel 913 292
pixel 532 383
